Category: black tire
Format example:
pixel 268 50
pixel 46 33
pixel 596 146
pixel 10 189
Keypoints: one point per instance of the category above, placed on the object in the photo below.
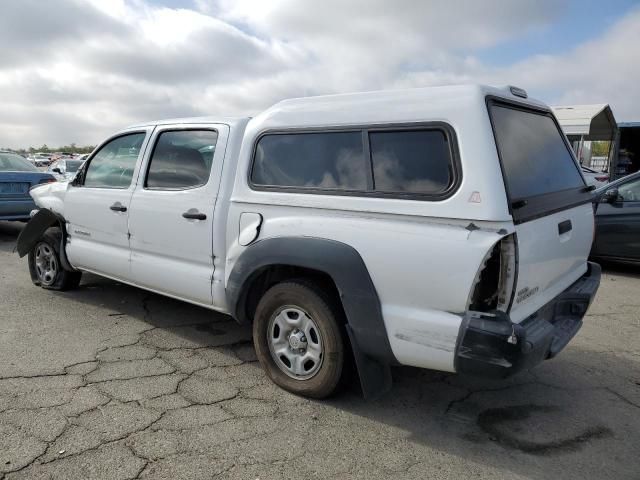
pixel 61 279
pixel 309 298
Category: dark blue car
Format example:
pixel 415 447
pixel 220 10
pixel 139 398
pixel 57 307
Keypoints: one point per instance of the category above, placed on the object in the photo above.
pixel 17 176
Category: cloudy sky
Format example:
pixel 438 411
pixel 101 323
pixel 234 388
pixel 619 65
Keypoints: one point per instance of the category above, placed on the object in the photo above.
pixel 77 70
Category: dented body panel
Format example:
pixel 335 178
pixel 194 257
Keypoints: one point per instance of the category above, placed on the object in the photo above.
pixel 50 196
pixel 423 293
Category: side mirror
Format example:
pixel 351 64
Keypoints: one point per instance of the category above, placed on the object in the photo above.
pixel 56 170
pixel 610 196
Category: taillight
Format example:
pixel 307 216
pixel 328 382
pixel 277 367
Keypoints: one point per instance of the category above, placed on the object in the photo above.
pixel 43 181
pixel 604 178
pixel 496 278
pixel 47 180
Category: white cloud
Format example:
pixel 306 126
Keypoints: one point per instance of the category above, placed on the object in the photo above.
pixel 603 70
pixel 78 70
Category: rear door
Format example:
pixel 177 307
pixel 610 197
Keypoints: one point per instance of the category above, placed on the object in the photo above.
pixel 550 204
pixel 171 214
pixel 96 206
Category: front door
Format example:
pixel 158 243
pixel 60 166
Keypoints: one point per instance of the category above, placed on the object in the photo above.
pixel 172 208
pixel 618 224
pixel 96 206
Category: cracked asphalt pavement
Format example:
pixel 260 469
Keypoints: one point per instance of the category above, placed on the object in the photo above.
pixel 112 382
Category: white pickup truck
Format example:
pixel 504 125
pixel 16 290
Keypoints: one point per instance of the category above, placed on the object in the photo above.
pixel 445 228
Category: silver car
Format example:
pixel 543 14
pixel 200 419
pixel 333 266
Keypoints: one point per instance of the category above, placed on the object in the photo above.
pixel 65 169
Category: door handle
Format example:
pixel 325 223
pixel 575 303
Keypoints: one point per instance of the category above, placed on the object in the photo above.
pixel 564 227
pixel 118 207
pixel 193 214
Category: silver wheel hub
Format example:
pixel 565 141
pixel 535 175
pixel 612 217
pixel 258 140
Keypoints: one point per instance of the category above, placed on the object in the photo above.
pixel 295 343
pixel 46 264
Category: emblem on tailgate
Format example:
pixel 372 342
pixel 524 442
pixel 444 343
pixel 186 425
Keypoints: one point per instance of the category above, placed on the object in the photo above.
pixel 525 293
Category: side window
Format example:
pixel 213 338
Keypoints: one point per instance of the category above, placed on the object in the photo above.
pixel 411 161
pixel 113 165
pixel 328 160
pixel 630 192
pixel 181 159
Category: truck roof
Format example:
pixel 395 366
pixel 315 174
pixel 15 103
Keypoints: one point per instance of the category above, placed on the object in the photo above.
pixel 383 106
pixel 231 121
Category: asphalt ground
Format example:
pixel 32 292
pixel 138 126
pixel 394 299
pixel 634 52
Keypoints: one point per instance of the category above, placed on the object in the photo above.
pixel 109 381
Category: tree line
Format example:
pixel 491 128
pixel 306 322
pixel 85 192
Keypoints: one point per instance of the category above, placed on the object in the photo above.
pixel 72 148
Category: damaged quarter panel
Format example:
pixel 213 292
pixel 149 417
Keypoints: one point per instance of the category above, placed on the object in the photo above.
pixel 422 306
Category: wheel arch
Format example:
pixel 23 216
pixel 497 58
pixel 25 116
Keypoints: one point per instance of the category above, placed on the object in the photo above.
pixel 36 227
pixel 339 267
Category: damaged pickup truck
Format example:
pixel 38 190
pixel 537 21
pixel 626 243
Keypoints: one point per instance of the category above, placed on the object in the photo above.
pixel 446 228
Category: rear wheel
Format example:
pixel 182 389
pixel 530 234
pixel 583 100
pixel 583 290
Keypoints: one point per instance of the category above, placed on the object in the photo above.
pixel 45 267
pixel 298 339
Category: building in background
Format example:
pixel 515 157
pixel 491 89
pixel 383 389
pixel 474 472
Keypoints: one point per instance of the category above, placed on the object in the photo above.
pixel 585 124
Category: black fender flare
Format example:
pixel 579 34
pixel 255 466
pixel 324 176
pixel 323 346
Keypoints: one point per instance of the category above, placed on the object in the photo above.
pixel 365 324
pixel 34 229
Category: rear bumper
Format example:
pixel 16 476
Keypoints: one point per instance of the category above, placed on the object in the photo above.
pixel 496 347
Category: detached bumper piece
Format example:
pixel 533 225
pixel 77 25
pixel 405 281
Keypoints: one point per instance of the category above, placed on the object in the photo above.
pixel 494 346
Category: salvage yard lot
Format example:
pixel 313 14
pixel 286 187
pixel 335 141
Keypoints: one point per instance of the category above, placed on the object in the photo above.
pixel 110 381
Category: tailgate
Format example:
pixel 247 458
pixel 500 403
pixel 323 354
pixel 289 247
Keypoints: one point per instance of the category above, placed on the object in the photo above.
pixel 550 203
pixel 552 254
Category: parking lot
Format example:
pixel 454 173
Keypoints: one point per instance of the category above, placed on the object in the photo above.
pixel 110 381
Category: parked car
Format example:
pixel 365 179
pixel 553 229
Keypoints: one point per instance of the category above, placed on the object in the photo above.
pixel 17 176
pixel 65 169
pixel 593 177
pixel 342 222
pixel 42 159
pixel 60 156
pixel 618 220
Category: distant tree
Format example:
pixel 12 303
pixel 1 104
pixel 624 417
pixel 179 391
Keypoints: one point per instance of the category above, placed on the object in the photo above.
pixel 71 148
pixel 600 148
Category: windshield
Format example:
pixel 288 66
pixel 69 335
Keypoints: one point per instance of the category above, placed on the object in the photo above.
pixel 73 165
pixel 534 155
pixel 10 162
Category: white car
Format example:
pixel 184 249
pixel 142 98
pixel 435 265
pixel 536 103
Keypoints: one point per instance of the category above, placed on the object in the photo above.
pixel 41 159
pixel 65 169
pixel 593 177
pixel 416 227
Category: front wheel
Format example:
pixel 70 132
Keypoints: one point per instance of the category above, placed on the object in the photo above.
pixel 45 266
pixel 298 339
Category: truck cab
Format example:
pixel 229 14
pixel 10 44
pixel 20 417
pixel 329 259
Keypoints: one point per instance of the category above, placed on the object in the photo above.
pixel 444 228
